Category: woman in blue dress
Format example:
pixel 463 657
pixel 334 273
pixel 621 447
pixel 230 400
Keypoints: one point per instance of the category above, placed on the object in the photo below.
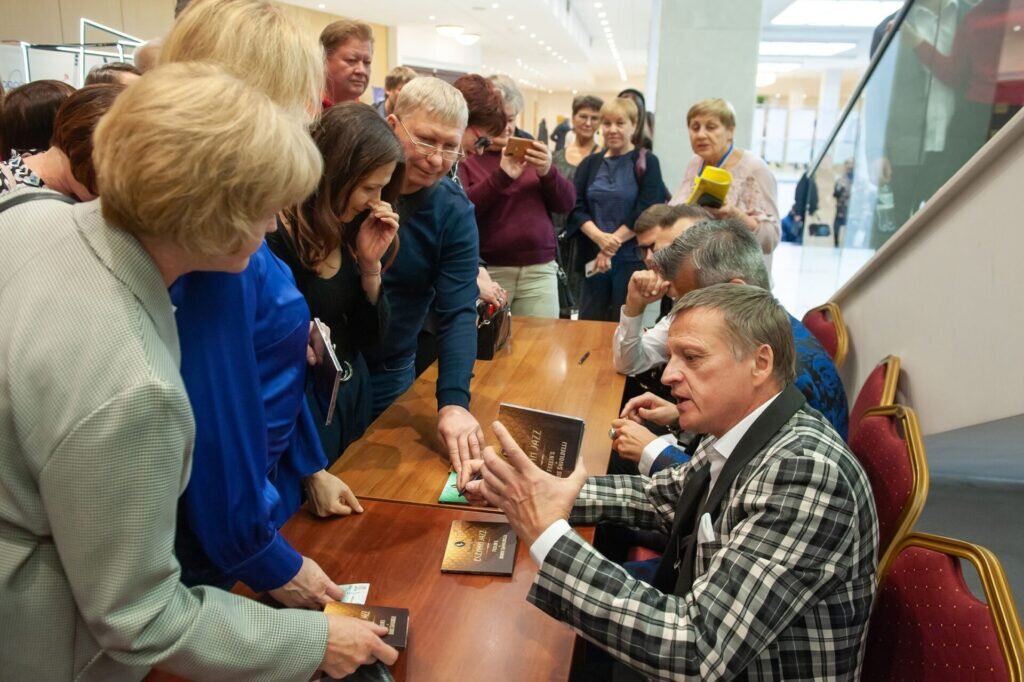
pixel 613 187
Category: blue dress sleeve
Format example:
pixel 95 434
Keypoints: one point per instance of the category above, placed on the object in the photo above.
pixel 228 501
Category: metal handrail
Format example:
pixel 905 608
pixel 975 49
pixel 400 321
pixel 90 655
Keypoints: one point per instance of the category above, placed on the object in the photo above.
pixel 875 59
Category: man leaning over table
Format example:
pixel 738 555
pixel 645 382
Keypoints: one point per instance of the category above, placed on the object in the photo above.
pixel 769 577
pixel 436 266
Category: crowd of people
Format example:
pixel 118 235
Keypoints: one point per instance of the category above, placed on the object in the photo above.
pixel 166 254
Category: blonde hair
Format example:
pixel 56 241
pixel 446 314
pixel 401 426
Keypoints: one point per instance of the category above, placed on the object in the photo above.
pixel 436 97
pixel 509 92
pixel 255 40
pixel 717 107
pixel 621 106
pixel 174 163
pixel 337 33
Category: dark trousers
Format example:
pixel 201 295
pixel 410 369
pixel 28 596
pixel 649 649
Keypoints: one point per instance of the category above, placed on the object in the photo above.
pixel 605 293
pixel 389 382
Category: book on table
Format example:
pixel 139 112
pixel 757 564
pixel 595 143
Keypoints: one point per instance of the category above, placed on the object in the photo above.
pixel 485 547
pixel 394 619
pixel 553 441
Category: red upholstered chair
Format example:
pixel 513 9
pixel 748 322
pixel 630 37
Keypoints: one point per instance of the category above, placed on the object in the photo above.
pixel 888 445
pixel 879 390
pixel 826 323
pixel 926 626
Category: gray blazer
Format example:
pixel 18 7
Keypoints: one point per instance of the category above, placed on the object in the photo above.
pixel 95 448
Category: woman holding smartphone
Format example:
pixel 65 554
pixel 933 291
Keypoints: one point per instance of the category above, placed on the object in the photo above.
pixel 613 187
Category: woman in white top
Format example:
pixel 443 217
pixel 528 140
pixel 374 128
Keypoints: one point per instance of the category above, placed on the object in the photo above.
pixel 752 197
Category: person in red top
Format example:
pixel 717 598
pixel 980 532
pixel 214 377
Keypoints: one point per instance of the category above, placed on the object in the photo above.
pixel 980 66
pixel 349 48
pixel 514 200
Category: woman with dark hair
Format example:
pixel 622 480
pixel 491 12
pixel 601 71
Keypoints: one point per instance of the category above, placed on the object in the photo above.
pixel 334 243
pixel 65 167
pixel 28 116
pixel 486 112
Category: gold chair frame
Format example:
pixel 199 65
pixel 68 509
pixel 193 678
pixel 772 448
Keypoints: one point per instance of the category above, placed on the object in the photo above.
pixel 906 418
pixel 835 316
pixel 997 592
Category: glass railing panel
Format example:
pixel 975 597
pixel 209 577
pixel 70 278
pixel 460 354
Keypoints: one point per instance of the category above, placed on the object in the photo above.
pixel 950 77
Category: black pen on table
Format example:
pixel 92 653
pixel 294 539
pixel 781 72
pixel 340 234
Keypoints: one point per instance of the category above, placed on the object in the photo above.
pixel 584 358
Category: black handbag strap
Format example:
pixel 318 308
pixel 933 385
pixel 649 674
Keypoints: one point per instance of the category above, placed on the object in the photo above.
pixel 18 199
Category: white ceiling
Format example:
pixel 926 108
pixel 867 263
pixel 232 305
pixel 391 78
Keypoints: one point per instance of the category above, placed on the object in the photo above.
pixel 586 60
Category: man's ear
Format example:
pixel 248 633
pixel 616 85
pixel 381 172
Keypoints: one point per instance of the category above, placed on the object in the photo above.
pixel 736 280
pixel 764 364
pixel 392 121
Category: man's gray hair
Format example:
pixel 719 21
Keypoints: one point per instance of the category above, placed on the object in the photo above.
pixel 718 251
pixel 509 92
pixel 752 317
pixel 435 97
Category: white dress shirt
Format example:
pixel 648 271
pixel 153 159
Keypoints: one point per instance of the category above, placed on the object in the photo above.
pixel 718 451
pixel 635 350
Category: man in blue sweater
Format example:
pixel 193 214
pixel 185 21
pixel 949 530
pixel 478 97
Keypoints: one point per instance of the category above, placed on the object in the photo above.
pixel 717 252
pixel 436 267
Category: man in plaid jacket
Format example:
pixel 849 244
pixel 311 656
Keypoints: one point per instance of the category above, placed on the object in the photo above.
pixel 770 567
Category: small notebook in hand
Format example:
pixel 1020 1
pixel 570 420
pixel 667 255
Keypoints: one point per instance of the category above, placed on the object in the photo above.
pixel 327 373
pixel 394 619
pixel 552 441
pixel 486 547
pixel 710 187
pixel 450 492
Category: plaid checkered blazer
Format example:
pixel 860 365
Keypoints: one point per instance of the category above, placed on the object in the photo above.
pixel 782 593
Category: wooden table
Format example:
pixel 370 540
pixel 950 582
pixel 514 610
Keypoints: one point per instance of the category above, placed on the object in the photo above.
pixel 400 457
pixel 461 627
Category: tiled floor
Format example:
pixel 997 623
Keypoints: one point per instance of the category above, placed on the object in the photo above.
pixel 806 276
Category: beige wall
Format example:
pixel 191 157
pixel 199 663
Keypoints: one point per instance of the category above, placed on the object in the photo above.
pixel 943 295
pixel 56 21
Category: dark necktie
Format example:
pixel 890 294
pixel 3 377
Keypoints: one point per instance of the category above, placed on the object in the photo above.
pixel 671 567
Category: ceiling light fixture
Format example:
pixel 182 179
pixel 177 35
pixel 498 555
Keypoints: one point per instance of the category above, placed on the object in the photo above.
pixel 602 15
pixel 598 5
pixel 431 18
pixel 800 49
pixel 468 38
pixel 510 18
pixel 450 30
pixel 847 13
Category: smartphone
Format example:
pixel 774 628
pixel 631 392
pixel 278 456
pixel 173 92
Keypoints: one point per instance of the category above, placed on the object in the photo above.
pixel 590 268
pixel 516 147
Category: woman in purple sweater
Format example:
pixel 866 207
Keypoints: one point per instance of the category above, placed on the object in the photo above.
pixel 514 200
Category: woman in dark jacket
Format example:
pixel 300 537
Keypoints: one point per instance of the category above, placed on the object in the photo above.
pixel 613 187
pixel 334 244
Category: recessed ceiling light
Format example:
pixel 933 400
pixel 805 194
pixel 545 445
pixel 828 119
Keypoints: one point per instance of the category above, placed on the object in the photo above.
pixel 522 28
pixel 604 22
pixel 450 30
pixel 322 6
pixel 510 18
pixel 468 38
pixel 533 35
pixel 598 5
pixel 495 5
pixel 800 49
pixel 602 15
pixel 540 42
pixel 847 13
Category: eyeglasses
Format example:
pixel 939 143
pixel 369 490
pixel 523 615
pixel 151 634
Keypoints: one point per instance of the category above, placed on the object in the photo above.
pixel 642 251
pixel 428 150
pixel 482 142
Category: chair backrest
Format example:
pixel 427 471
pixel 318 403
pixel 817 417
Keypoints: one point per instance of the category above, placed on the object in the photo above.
pixel 826 323
pixel 927 626
pixel 879 390
pixel 889 446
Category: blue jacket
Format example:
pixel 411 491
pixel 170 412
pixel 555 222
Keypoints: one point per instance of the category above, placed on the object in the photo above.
pixel 243 348
pixel 437 264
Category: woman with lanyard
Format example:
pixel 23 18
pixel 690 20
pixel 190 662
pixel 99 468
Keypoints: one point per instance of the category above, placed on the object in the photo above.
pixel 752 197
